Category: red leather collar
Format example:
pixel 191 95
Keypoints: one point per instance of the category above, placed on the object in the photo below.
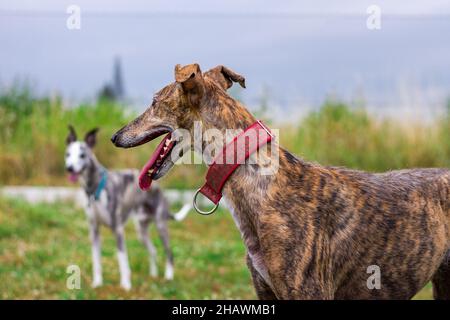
pixel 233 154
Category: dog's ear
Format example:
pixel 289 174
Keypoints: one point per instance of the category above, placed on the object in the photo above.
pixel 72 136
pixel 225 77
pixel 191 79
pixel 91 138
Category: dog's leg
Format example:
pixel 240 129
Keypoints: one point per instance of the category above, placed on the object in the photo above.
pixel 441 280
pixel 94 234
pixel 161 226
pixel 142 228
pixel 122 257
pixel 263 291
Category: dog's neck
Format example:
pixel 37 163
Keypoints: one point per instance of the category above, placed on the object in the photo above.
pixel 91 176
pixel 232 115
pixel 249 179
pixel 247 189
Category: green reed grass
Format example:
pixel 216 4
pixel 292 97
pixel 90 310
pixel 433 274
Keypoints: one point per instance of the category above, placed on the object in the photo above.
pixel 33 131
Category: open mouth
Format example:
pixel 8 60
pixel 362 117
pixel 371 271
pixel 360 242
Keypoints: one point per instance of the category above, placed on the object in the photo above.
pixel 157 165
pixel 73 177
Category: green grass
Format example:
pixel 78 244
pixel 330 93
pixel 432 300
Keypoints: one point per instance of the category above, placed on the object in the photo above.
pixel 33 131
pixel 37 243
pixel 342 136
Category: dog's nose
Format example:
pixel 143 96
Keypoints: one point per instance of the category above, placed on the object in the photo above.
pixel 114 138
pixel 70 169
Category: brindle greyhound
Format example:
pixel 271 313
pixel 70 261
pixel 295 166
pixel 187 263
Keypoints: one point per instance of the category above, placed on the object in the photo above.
pixel 313 232
pixel 112 197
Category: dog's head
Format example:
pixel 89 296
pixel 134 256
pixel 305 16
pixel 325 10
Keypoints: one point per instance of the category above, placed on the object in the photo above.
pixel 79 153
pixel 194 96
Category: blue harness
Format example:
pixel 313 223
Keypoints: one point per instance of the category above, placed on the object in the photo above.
pixel 101 185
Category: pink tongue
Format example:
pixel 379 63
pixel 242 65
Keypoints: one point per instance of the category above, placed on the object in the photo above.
pixel 73 177
pixel 144 180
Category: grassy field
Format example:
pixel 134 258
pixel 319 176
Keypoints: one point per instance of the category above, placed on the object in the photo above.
pixel 37 243
pixel 33 131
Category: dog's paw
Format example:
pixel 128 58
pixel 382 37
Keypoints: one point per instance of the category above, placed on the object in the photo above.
pixel 97 283
pixel 169 272
pixel 153 271
pixel 168 276
pixel 126 285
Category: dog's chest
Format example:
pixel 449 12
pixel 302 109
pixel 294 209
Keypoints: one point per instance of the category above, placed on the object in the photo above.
pixel 253 250
pixel 97 210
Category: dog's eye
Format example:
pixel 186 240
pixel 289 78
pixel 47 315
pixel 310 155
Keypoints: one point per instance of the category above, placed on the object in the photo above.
pixel 82 156
pixel 67 154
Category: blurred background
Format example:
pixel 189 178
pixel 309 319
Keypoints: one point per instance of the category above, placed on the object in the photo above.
pixel 340 92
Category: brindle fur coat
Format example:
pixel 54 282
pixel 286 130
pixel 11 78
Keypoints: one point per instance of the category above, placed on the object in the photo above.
pixel 311 231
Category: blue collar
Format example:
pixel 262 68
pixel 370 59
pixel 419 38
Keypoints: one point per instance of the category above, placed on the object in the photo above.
pixel 101 185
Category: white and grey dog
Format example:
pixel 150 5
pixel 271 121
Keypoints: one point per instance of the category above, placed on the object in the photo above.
pixel 112 196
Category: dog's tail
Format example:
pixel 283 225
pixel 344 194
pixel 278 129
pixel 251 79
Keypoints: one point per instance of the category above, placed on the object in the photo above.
pixel 180 215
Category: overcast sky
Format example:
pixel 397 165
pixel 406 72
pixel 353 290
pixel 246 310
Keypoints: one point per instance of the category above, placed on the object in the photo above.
pixel 301 51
